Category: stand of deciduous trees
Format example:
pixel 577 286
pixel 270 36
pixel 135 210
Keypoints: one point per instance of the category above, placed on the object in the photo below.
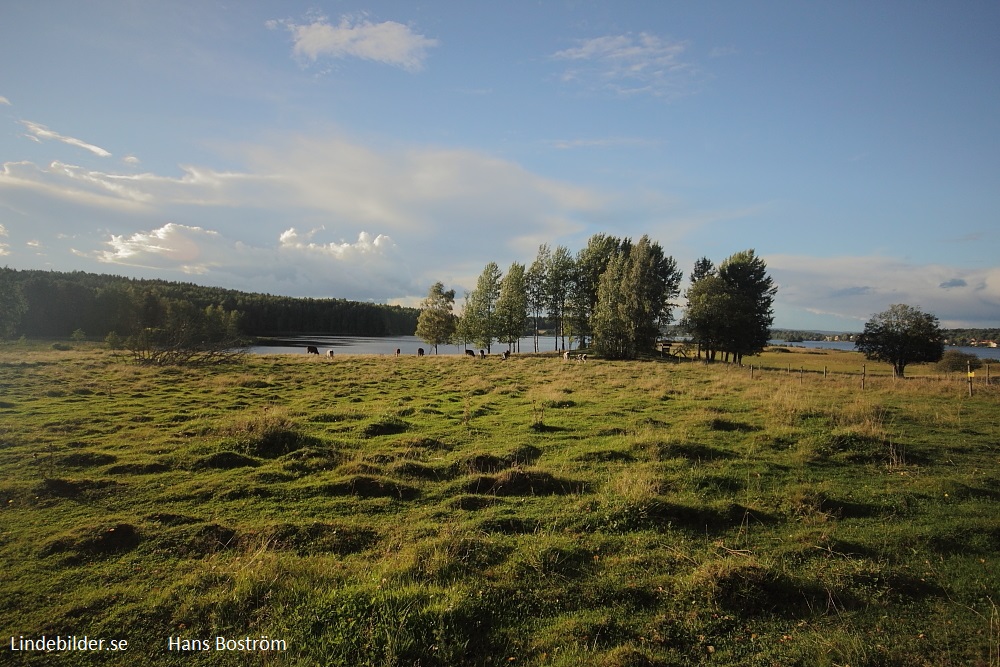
pixel 615 296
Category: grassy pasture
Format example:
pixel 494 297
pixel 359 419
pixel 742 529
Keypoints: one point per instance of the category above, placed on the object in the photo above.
pixel 450 511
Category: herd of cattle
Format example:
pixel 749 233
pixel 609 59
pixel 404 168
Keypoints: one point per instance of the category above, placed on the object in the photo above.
pixel 312 349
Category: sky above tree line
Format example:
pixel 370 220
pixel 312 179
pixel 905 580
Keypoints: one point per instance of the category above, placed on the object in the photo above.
pixel 368 150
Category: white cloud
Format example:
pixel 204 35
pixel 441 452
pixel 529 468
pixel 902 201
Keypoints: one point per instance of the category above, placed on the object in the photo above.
pixel 389 42
pixel 38 132
pixel 369 268
pixel 3 231
pixel 130 159
pixel 4 101
pixel 629 64
pixel 172 246
pixel 854 288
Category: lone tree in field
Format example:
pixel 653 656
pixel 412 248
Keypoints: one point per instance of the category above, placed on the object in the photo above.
pixel 902 335
pixel 436 323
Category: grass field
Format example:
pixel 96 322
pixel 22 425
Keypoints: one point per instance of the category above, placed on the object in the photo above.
pixel 452 511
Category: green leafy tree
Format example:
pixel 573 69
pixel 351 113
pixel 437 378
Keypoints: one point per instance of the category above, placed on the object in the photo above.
pixel 657 279
pixel 512 306
pixel 749 313
pixel 559 276
pixel 612 335
pixel 703 268
pixel 436 322
pixel 705 318
pixel 480 322
pixel 900 336
pixel 634 300
pixel 535 280
pixel 591 262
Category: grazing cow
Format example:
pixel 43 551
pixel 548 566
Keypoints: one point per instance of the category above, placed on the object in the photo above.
pixel 329 353
pixel 506 355
pixel 470 353
pixel 581 357
pixel 482 354
pixel 566 355
pixel 420 351
pixel 312 349
pixel 398 351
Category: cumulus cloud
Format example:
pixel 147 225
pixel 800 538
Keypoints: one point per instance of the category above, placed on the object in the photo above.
pixel 369 268
pixel 173 246
pixel 389 42
pixel 829 286
pixel 629 64
pixel 39 132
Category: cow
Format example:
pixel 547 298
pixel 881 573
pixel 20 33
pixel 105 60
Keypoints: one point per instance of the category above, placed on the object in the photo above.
pixel 420 351
pixel 581 357
pixel 398 351
pixel 506 355
pixel 482 354
pixel 566 355
pixel 329 353
pixel 470 353
pixel 312 349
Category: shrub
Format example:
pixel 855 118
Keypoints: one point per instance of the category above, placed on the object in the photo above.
pixel 956 361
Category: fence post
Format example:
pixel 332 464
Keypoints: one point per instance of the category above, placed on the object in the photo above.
pixel 863 372
pixel 801 373
pixel 968 370
pixel 824 372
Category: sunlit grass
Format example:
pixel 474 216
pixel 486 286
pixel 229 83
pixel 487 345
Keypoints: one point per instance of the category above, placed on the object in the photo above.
pixel 375 510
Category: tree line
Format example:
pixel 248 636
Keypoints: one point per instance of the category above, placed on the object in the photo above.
pixel 51 304
pixel 615 296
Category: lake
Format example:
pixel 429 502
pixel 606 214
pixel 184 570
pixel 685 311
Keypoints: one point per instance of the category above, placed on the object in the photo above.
pixel 408 345
pixel 387 345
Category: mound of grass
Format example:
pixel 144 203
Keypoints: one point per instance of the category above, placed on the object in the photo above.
pixel 58 487
pixel 94 542
pixel 368 486
pixel 86 459
pixel 226 461
pixel 385 426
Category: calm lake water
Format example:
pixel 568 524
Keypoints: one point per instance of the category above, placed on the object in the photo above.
pixel 388 345
pixel 408 345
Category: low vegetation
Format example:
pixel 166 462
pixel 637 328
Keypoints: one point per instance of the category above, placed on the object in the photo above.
pixel 457 511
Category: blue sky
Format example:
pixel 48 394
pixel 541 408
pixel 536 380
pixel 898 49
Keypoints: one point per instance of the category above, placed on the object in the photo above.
pixel 367 150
